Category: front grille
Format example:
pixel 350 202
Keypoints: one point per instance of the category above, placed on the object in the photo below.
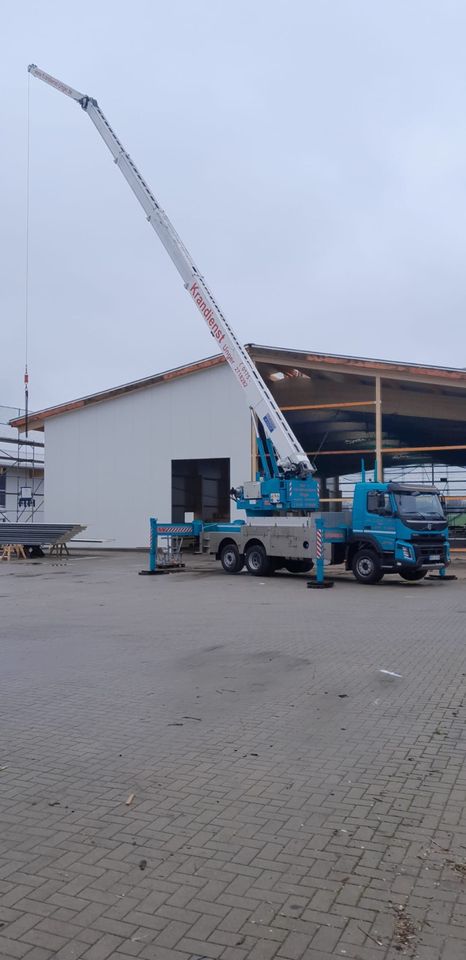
pixel 426 546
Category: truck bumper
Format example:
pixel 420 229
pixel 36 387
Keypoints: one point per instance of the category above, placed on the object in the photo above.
pixel 422 554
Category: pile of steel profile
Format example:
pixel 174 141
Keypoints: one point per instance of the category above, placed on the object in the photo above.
pixel 38 534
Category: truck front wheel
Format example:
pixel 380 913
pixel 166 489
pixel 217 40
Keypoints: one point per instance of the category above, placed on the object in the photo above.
pixel 231 559
pixel 257 561
pixel 412 575
pixel 366 566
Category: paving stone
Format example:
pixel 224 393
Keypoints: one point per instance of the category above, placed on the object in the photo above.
pixel 295 946
pixel 71 951
pixel 173 933
pixel 13 931
pixel 103 948
pixel 39 953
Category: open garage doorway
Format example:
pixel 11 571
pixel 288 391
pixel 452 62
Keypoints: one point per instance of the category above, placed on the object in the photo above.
pixel 201 487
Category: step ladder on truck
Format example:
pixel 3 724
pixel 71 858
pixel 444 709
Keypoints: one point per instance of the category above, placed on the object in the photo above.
pixel 391 528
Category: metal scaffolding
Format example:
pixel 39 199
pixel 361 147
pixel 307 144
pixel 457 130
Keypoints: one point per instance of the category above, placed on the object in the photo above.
pixel 21 472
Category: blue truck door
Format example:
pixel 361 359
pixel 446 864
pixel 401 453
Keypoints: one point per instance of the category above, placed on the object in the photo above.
pixel 379 520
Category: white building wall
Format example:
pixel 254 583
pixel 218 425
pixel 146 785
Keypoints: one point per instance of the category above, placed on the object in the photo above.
pixel 108 465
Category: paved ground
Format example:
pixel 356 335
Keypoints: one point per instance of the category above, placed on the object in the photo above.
pixel 289 800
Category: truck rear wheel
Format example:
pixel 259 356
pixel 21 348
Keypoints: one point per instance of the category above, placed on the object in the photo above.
pixel 412 575
pixel 257 561
pixel 299 566
pixel 366 566
pixel 231 559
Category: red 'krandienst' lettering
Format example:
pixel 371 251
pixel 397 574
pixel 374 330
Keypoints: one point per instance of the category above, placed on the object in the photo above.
pixel 217 332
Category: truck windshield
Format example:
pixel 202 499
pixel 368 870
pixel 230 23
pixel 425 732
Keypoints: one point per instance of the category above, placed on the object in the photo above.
pixel 423 505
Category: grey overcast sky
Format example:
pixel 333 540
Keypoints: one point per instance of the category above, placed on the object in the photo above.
pixel 311 153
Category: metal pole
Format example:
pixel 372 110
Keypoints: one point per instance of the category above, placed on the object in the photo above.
pixel 320 582
pixel 153 545
pixel 253 451
pixel 320 550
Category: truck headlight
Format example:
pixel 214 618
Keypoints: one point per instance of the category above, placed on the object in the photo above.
pixel 407 553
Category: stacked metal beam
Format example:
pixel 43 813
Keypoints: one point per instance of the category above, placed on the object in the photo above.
pixel 38 534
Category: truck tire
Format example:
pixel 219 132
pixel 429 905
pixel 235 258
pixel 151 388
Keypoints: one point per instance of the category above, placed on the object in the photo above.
pixel 412 575
pixel 231 559
pixel 299 566
pixel 257 561
pixel 366 566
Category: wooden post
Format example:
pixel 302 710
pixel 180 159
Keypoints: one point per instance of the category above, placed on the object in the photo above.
pixel 378 428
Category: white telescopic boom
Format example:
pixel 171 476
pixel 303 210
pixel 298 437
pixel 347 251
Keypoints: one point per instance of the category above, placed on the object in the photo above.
pixel 291 456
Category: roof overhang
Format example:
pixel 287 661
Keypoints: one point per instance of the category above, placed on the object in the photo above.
pixel 272 357
pixel 37 420
pixel 337 363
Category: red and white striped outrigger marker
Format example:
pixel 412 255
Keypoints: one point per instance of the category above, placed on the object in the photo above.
pixel 320 580
pixel 320 550
pixel 171 559
pixel 172 529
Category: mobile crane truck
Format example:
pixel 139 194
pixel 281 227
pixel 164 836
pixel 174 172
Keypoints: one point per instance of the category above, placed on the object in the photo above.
pixel 392 528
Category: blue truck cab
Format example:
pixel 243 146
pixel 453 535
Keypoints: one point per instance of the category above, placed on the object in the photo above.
pixel 395 528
